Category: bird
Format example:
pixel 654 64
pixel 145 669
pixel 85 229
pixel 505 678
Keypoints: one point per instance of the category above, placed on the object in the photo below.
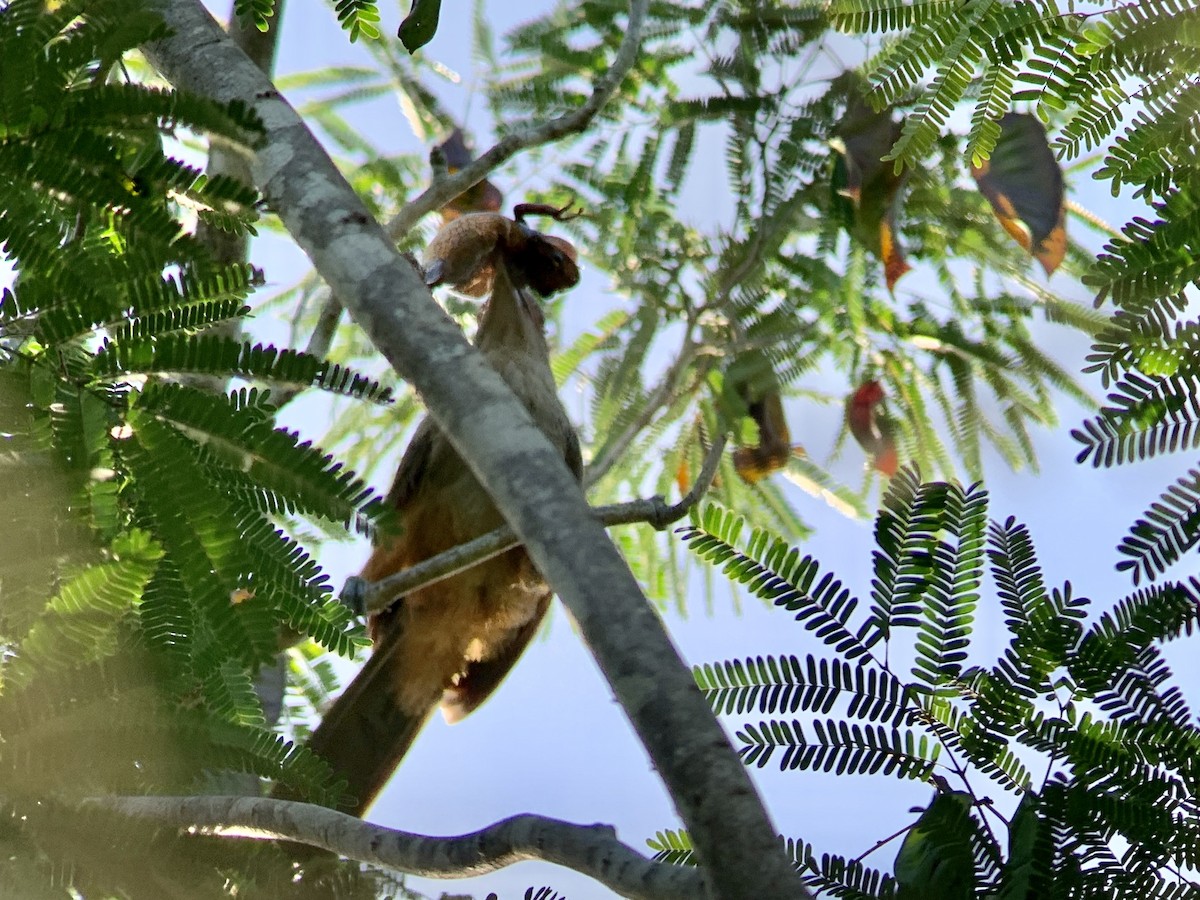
pixel 452 642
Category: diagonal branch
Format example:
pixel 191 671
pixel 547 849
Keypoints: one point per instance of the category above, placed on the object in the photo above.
pixel 443 190
pixel 368 597
pixel 495 435
pixel 592 850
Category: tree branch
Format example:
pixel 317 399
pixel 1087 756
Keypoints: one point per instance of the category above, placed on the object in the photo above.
pixel 443 190
pixel 262 48
pixel 592 850
pixel 496 437
pixel 327 322
pixel 369 597
pixel 614 448
pixel 446 187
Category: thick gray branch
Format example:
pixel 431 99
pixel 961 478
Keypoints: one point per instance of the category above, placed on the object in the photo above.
pixel 261 47
pixel 495 435
pixel 590 849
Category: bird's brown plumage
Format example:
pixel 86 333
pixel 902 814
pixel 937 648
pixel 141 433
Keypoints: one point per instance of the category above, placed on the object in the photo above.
pixel 453 641
pixel 466 249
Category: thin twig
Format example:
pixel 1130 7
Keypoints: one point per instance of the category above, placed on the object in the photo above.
pixel 327 322
pixel 445 188
pixel 443 191
pixel 318 345
pixel 882 842
pixel 1094 220
pixel 708 471
pixel 369 597
pixel 590 849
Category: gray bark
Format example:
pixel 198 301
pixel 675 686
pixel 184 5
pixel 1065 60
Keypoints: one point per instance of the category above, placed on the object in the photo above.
pixel 592 850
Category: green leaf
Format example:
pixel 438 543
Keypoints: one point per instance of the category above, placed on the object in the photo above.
pixel 935 859
pixel 83 622
pixel 420 25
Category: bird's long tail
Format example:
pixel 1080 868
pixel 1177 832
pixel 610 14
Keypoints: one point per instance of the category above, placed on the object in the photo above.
pixel 365 734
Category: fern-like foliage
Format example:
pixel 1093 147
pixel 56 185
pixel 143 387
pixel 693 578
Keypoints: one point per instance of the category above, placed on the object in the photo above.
pixel 1062 58
pixel 149 573
pixel 259 12
pixel 780 271
pixel 1121 77
pixel 1089 707
pixel 1171 528
pixel 1151 414
pixel 359 17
